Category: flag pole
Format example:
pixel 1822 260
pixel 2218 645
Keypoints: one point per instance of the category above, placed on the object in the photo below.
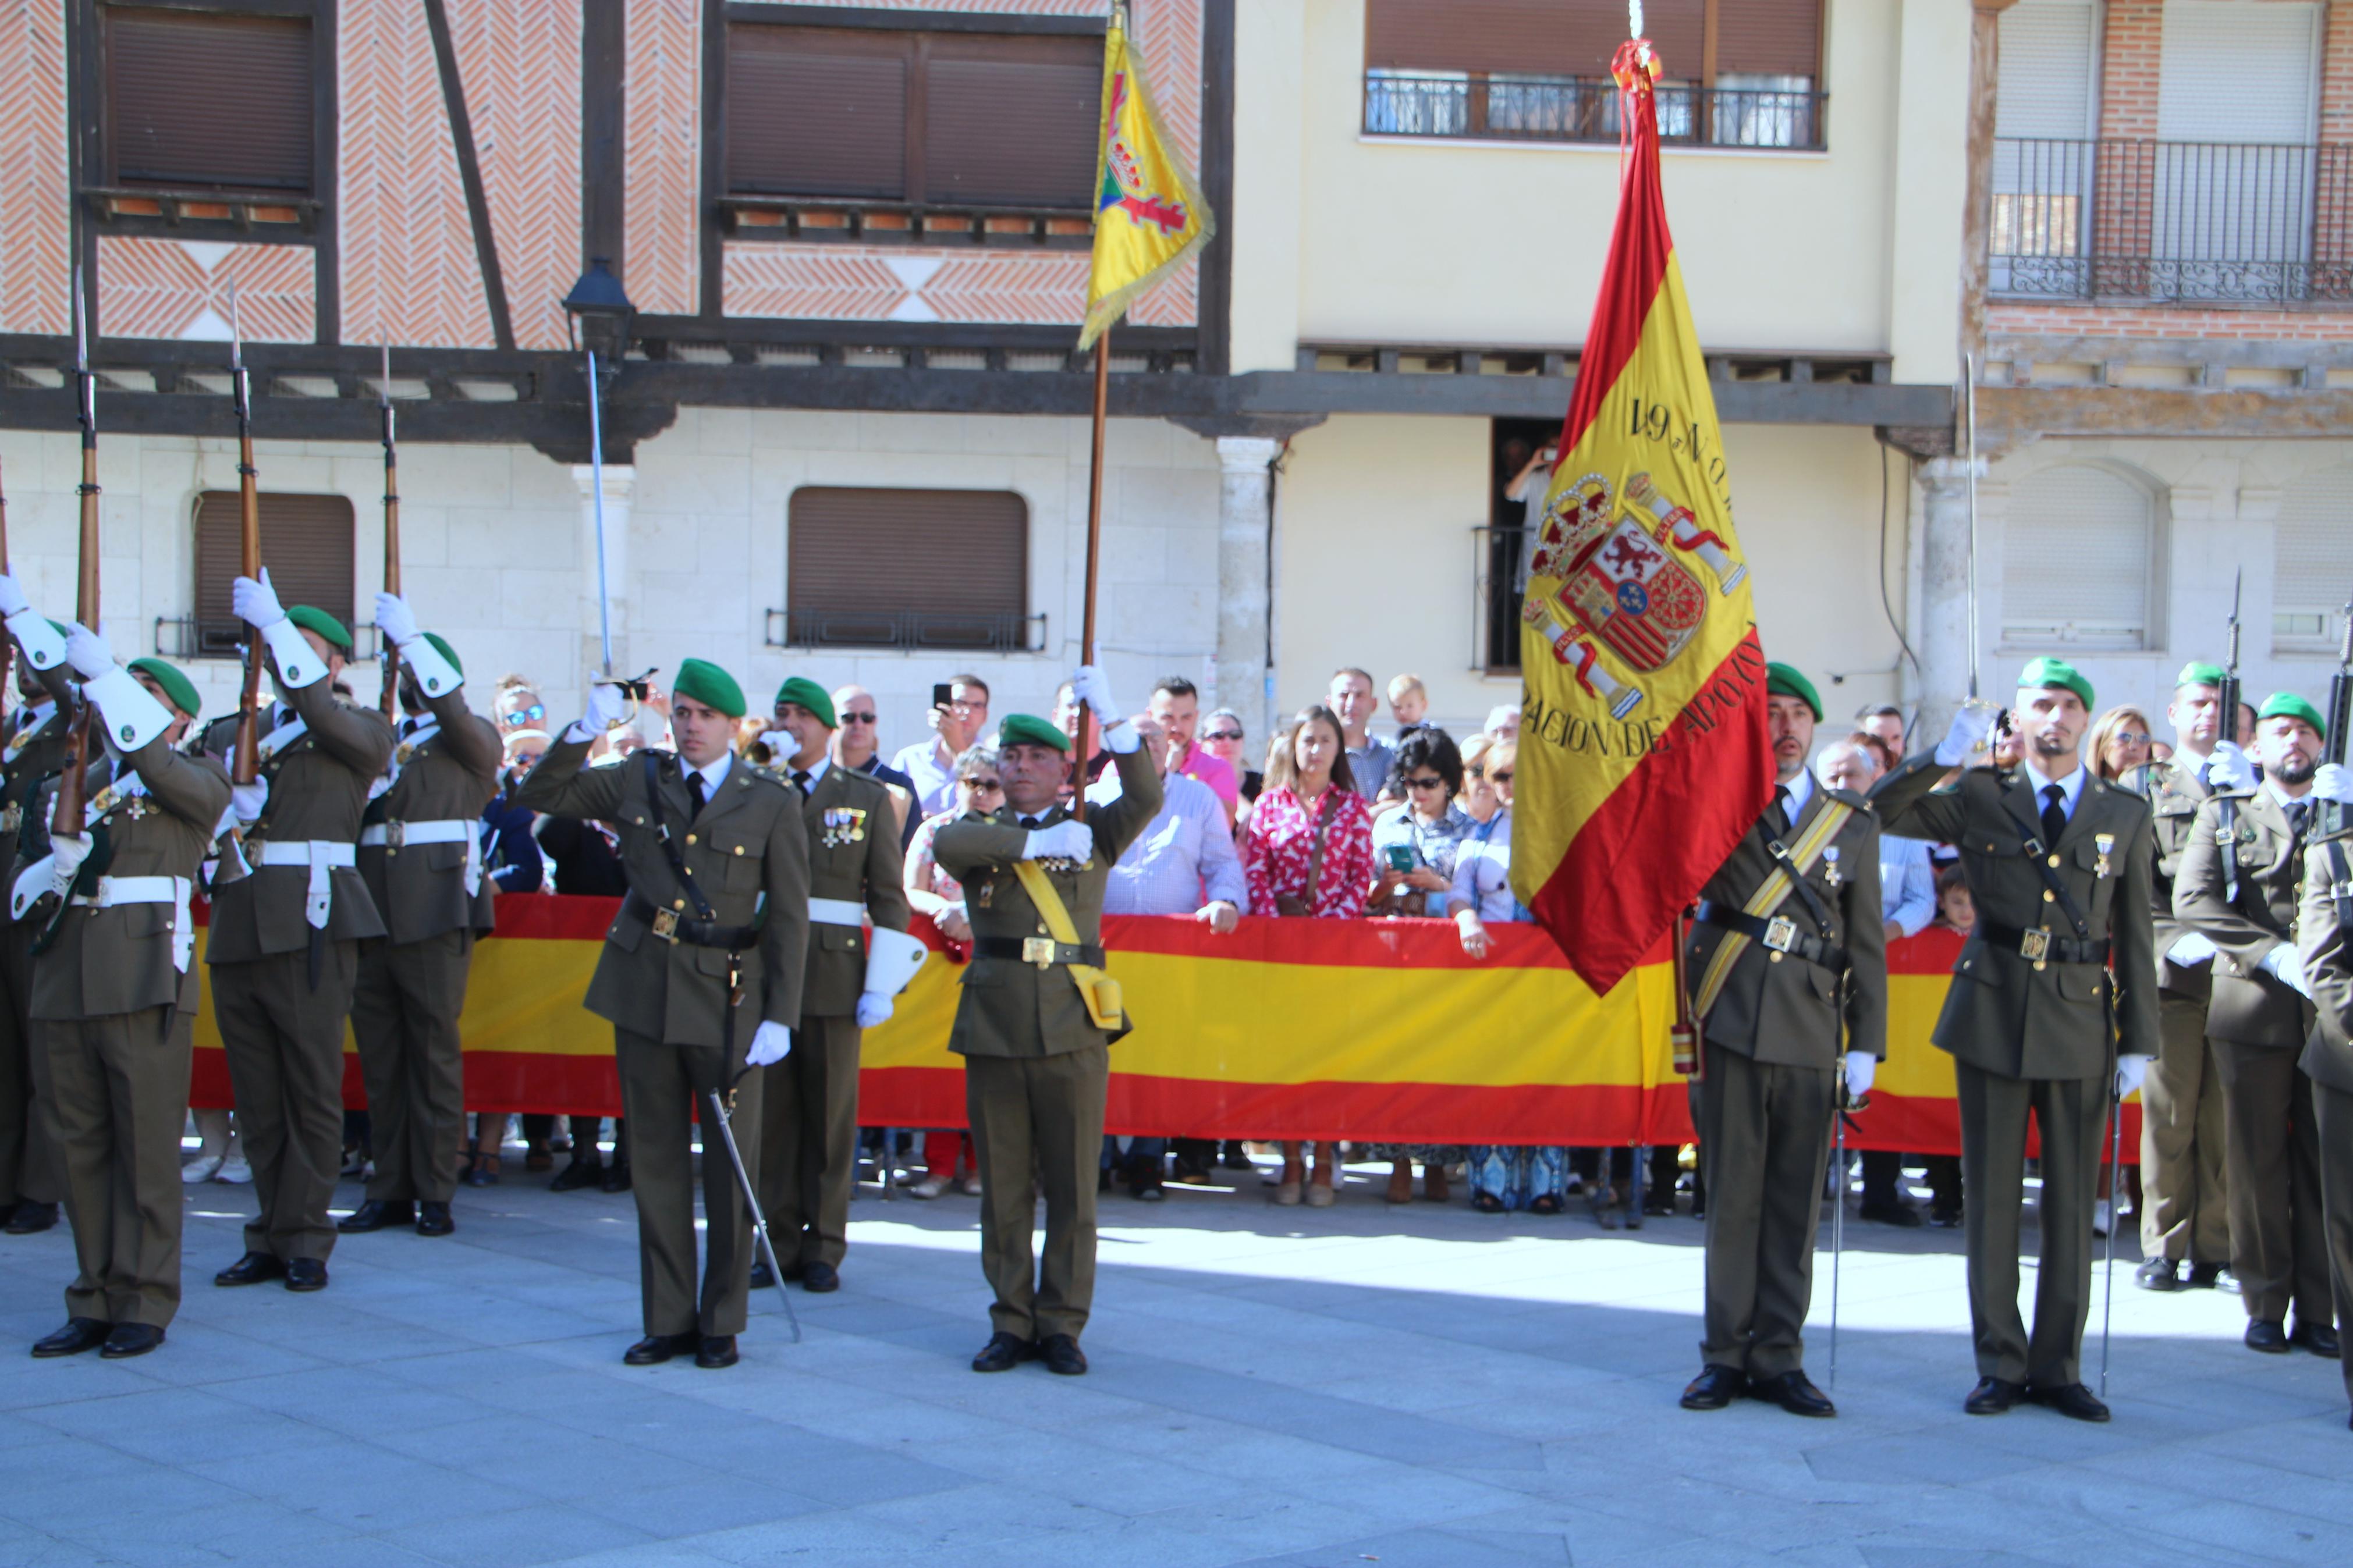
pixel 1094 556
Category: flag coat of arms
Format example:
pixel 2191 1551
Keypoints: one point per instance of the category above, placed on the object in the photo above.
pixel 1149 214
pixel 1643 751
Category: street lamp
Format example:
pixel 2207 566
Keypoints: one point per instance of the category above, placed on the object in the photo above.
pixel 596 317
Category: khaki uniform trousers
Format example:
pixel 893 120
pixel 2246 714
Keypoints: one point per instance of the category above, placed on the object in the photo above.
pixel 1764 1146
pixel 808 1141
pixel 1039 1118
pixel 405 1015
pixel 285 1047
pixel 28 1157
pixel 662 1088
pixel 2332 1115
pixel 2184 1196
pixel 117 1098
pixel 2278 1249
pixel 2071 1115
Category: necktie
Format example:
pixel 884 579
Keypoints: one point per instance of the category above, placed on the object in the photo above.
pixel 2054 815
pixel 1030 821
pixel 2299 812
pixel 1777 815
pixel 694 786
pixel 800 779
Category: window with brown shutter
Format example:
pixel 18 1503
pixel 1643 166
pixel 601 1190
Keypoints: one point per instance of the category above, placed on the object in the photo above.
pixel 200 99
pixel 306 543
pixel 914 569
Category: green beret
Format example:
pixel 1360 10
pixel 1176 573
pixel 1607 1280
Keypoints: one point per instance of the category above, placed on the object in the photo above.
pixel 2288 705
pixel 1026 730
pixel 708 685
pixel 178 688
pixel 1783 680
pixel 2198 672
pixel 441 645
pixel 800 688
pixel 2054 675
pixel 311 619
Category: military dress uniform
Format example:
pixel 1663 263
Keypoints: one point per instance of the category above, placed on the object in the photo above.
pixel 114 997
pixel 1037 1066
pixel 283 950
pixel 664 982
pixel 1809 986
pixel 2324 941
pixel 808 1106
pixel 420 853
pixel 30 1180
pixel 2035 1020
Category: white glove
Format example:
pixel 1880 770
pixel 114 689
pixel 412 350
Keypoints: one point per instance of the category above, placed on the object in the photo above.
pixel 2191 950
pixel 2229 768
pixel 248 801
pixel 2330 781
pixel 66 852
pixel 1860 1068
pixel 2131 1073
pixel 1064 841
pixel 12 597
pixel 1970 739
pixel 1090 686
pixel 771 1043
pixel 874 1008
pixel 2284 964
pixel 608 709
pixel 255 602
pixel 395 620
pixel 91 657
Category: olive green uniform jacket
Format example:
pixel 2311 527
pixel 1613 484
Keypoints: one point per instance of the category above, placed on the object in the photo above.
pixel 447 777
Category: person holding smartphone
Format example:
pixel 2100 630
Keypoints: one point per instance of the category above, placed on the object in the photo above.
pixel 959 711
pixel 1414 849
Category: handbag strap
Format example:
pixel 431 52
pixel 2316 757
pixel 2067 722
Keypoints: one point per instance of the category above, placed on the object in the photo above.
pixel 1316 853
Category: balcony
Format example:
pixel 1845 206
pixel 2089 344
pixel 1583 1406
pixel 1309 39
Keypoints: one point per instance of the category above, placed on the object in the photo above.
pixel 2171 223
pixel 1775 114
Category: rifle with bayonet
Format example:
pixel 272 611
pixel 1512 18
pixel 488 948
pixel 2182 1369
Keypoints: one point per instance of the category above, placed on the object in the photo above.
pixel 245 764
pixel 2340 690
pixel 2227 699
pixel 390 697
pixel 69 819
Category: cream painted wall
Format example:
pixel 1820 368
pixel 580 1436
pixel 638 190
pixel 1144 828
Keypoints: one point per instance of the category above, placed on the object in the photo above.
pixel 1928 172
pixel 1270 46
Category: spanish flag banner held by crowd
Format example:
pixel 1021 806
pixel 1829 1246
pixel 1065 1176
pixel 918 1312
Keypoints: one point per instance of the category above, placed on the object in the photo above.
pixel 1149 214
pixel 1643 754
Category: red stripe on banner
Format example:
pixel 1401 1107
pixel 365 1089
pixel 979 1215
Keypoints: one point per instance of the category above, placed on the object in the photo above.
pixel 1631 281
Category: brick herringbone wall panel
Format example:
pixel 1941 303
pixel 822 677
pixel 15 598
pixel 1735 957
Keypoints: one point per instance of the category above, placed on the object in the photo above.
pixel 519 60
pixel 812 282
pixel 179 288
pixel 410 274
pixel 662 261
pixel 35 252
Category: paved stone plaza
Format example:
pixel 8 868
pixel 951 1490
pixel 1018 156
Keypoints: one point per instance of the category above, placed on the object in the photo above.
pixel 1412 1388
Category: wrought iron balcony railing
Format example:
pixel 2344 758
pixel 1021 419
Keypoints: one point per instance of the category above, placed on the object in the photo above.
pixel 2171 223
pixel 1778 113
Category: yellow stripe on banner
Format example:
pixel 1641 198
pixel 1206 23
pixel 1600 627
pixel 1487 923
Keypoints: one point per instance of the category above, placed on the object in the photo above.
pixel 1916 1068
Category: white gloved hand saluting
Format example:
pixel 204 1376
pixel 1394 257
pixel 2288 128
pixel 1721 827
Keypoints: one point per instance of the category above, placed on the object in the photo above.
pixel 395 620
pixel 771 1043
pixel 2131 1073
pixel 257 603
pixel 608 709
pixel 248 801
pixel 2229 768
pixel 1064 841
pixel 1861 1067
pixel 66 852
pixel 87 651
pixel 1970 739
pixel 2332 781
pixel 1090 686
pixel 874 1008
pixel 12 597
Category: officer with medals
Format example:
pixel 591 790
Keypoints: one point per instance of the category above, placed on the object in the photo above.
pixel 701 978
pixel 2323 933
pixel 2052 1012
pixel 421 855
pixel 2239 887
pixel 30 1180
pixel 283 944
pixel 1035 1018
pixel 808 1104
pixel 114 997
pixel 1789 960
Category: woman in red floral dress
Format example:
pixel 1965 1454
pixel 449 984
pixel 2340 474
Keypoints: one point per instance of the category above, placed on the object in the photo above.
pixel 1309 851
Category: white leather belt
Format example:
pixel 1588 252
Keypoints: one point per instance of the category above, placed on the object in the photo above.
pixel 450 830
pixel 320 856
pixel 173 891
pixel 836 912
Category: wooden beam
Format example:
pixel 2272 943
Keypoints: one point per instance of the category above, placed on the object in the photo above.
pixel 710 299
pixel 604 78
pixel 1214 292
pixel 470 172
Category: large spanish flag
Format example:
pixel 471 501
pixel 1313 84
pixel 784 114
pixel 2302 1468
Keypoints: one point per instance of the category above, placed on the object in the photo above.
pixel 1643 754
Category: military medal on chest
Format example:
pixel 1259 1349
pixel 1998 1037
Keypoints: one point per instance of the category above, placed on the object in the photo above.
pixel 1831 866
pixel 843 825
pixel 2105 843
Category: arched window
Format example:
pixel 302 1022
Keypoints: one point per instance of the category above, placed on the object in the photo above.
pixel 2080 563
pixel 2312 561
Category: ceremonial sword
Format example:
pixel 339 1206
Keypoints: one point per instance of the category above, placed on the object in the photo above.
pixel 719 1114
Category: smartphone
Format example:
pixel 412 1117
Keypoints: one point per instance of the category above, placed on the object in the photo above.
pixel 942 694
pixel 1400 857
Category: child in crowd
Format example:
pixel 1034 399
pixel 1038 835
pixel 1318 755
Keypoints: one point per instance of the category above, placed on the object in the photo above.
pixel 1409 704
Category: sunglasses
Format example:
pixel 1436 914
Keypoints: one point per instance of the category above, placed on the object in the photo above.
pixel 1223 735
pixel 524 718
pixel 981 787
pixel 858 718
pixel 2128 738
pixel 1431 783
pixel 1503 777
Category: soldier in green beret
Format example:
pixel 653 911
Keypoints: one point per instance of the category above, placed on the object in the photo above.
pixel 2040 1021
pixel 2240 885
pixel 808 1106
pixel 1036 1017
pixel 283 942
pixel 701 978
pixel 30 1178
pixel 2324 924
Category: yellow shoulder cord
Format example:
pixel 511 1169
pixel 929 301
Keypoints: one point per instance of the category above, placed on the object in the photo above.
pixel 1098 991
pixel 1767 898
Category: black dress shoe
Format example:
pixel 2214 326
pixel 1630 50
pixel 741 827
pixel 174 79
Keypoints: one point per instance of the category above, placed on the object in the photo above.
pixel 2158 1274
pixel 2317 1338
pixel 819 1279
pixel 655 1349
pixel 1992 1396
pixel 8 1213
pixel 761 1278
pixel 579 1174
pixel 1943 1218
pixel 1714 1387
pixel 79 1335
pixel 128 1340
pixel 1793 1392
pixel 2227 1282
pixel 433 1219
pixel 2268 1337
pixel 375 1214
pixel 31 1217
pixel 715 1351
pixel 616 1176
pixel 1062 1354
pixel 1895 1213
pixel 1003 1352
pixel 306 1274
pixel 251 1269
pixel 2073 1401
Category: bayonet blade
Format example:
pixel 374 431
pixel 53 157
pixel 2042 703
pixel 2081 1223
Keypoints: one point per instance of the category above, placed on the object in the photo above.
pixel 383 383
pixel 81 328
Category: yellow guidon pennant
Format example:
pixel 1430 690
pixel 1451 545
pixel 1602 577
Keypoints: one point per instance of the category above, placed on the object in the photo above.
pixel 1149 214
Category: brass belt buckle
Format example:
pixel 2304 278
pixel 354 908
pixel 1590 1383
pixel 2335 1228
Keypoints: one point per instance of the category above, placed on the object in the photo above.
pixel 1037 949
pixel 2034 946
pixel 1780 933
pixel 395 835
pixel 665 925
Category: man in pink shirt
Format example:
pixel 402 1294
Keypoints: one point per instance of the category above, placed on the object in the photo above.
pixel 1176 709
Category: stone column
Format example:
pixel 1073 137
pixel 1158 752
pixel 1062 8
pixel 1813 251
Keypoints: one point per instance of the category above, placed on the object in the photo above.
pixel 1944 640
pixel 621 486
pixel 1245 513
